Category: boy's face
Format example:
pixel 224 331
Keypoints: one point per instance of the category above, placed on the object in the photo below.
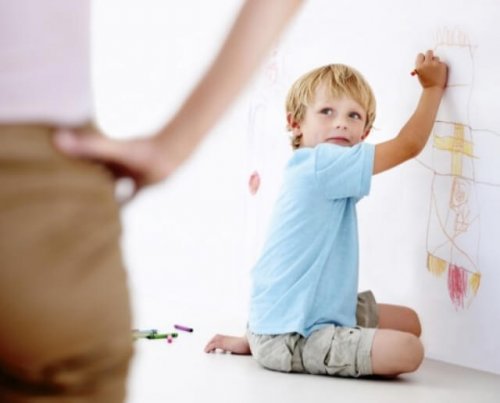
pixel 333 120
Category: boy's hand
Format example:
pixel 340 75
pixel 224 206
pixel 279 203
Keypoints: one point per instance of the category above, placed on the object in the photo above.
pixel 232 344
pixel 431 71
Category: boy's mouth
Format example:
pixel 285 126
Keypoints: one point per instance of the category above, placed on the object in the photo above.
pixel 341 141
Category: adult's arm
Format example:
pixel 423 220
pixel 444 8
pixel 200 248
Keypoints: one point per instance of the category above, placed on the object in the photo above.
pixel 150 160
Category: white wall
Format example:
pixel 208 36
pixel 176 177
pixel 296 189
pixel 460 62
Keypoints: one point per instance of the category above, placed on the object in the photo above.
pixel 183 236
pixel 191 240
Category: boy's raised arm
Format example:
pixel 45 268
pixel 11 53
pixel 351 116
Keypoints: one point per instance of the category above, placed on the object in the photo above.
pixel 432 74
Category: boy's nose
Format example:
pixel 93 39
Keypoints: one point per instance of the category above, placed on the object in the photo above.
pixel 340 123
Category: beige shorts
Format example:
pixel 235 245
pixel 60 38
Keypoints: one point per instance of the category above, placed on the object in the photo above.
pixel 331 350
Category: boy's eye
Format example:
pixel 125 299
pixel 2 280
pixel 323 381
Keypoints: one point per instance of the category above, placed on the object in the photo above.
pixel 326 111
pixel 355 115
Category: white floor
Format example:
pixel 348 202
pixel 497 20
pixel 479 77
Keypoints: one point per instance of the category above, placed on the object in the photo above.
pixel 182 372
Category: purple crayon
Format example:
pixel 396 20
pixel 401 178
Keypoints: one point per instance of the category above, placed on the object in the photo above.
pixel 184 328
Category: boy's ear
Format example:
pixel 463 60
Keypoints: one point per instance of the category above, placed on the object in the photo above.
pixel 293 125
pixel 365 135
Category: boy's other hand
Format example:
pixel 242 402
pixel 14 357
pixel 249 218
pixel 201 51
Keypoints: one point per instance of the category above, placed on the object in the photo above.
pixel 431 71
pixel 232 344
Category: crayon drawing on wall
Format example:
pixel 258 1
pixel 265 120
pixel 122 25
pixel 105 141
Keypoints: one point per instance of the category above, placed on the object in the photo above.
pixel 454 222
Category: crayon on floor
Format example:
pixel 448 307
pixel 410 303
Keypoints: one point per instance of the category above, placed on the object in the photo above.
pixel 183 328
pixel 161 336
pixel 140 334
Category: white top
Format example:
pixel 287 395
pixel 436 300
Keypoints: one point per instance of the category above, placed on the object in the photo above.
pixel 44 61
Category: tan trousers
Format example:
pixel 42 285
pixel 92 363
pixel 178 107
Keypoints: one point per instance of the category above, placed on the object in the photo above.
pixel 64 307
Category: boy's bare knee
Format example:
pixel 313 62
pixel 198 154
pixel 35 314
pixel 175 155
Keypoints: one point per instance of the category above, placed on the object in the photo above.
pixel 414 353
pixel 395 352
pixel 415 325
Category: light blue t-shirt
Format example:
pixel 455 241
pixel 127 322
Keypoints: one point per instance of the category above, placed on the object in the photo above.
pixel 307 275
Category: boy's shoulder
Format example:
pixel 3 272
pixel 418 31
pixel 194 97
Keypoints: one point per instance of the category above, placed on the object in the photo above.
pixel 300 156
pixel 325 155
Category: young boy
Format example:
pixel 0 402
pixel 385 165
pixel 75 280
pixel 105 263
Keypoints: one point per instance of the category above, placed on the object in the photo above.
pixel 305 315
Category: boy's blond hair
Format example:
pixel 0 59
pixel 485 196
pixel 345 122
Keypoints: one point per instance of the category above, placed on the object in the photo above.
pixel 340 80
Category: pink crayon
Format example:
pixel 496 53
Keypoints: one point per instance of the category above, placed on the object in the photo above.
pixel 183 328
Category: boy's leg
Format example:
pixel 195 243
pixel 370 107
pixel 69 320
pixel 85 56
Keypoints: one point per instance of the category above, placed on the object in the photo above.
pixel 367 315
pixel 400 318
pixel 331 350
pixel 349 352
pixel 371 314
pixel 394 352
pixel 367 310
pixel 396 348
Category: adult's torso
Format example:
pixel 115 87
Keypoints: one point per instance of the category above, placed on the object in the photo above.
pixel 44 61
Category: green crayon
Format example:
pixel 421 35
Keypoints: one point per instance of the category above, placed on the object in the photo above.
pixel 161 336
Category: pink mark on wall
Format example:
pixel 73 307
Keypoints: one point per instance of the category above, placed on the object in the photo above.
pixel 457 285
pixel 254 183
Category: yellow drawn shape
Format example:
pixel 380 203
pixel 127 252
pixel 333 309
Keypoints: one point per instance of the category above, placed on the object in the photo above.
pixel 457 145
pixel 436 265
pixel 474 282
